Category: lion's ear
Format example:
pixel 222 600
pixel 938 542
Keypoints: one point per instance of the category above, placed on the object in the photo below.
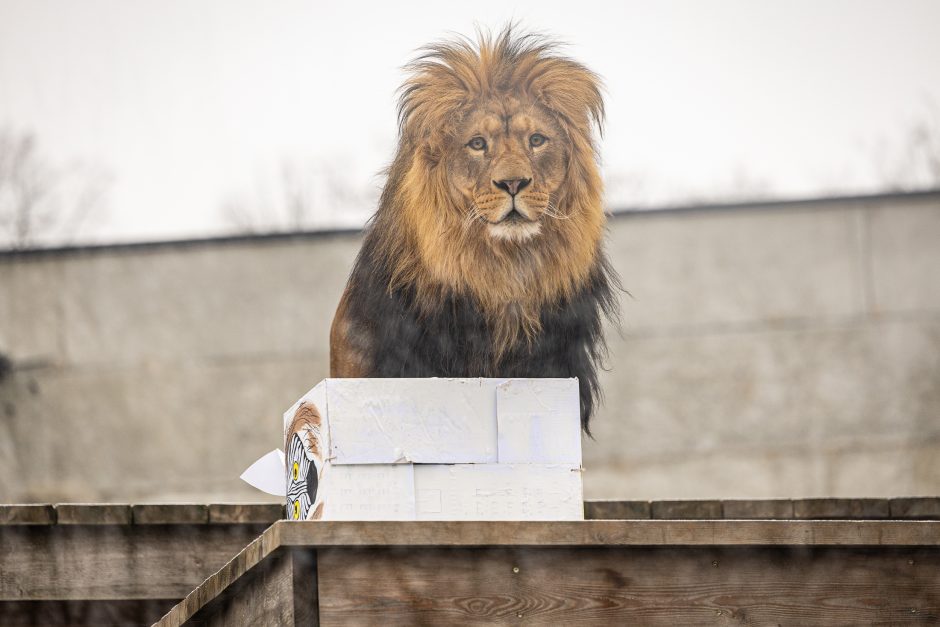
pixel 570 90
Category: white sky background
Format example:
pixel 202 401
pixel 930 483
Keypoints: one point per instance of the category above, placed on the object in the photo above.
pixel 187 103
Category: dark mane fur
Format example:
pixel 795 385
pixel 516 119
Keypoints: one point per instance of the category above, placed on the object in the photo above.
pixel 454 341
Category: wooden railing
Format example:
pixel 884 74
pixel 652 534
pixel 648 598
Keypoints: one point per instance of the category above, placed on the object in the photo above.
pixel 795 561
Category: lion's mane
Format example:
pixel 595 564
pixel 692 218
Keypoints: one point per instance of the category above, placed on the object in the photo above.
pixel 429 296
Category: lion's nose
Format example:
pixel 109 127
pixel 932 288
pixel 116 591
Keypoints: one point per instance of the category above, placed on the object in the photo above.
pixel 513 186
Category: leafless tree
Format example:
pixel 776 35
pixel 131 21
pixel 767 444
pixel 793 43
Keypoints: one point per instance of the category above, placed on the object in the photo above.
pixel 913 161
pixel 300 198
pixel 41 202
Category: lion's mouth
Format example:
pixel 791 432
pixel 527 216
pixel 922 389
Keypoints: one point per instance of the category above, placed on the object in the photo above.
pixel 513 216
pixel 514 226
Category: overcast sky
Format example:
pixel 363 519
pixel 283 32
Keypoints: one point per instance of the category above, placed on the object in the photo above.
pixel 190 103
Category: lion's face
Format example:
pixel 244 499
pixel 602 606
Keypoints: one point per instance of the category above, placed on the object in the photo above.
pixel 495 191
pixel 506 164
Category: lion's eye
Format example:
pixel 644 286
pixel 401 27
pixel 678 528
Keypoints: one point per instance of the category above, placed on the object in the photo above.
pixel 537 139
pixel 477 143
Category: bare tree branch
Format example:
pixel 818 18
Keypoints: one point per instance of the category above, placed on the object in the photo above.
pixel 914 163
pixel 299 198
pixel 41 202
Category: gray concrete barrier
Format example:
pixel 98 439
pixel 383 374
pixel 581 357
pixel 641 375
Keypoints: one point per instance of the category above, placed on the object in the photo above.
pixel 775 350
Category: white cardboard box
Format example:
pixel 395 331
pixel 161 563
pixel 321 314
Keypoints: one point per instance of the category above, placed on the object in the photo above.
pixel 451 492
pixel 431 449
pixel 498 492
pixel 368 492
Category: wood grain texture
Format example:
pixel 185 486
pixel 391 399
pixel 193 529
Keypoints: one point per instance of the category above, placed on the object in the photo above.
pixel 629 585
pixel 616 510
pixel 608 532
pixel 897 543
pixel 225 581
pixel 926 508
pixel 264 597
pixel 854 509
pixel 113 562
pixel 93 514
pixel 134 612
pixel 232 513
pixel 306 596
pixel 918 508
pixel 167 514
pixel 27 515
pixel 687 510
pixel 769 509
pixel 279 590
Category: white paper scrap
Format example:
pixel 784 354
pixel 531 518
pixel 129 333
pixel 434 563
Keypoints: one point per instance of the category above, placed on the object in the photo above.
pixel 267 474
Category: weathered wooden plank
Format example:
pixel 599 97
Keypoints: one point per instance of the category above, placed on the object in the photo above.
pixel 923 508
pixel 628 585
pixel 128 613
pixel 686 510
pixel 306 596
pixel 93 514
pixel 223 582
pixel 264 597
pixel 232 513
pixel 113 562
pixel 616 510
pixel 27 515
pixel 224 513
pixel 766 509
pixel 853 509
pixel 610 532
pixel 280 590
pixel 167 514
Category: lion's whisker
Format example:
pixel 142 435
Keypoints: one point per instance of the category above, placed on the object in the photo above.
pixel 552 212
pixel 473 214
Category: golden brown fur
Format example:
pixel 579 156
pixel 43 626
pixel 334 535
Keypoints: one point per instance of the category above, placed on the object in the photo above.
pixel 442 227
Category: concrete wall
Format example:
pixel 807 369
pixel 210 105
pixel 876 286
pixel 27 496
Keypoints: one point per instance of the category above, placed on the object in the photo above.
pixel 779 350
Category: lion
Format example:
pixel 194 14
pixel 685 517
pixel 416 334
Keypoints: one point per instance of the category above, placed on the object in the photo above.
pixel 485 257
